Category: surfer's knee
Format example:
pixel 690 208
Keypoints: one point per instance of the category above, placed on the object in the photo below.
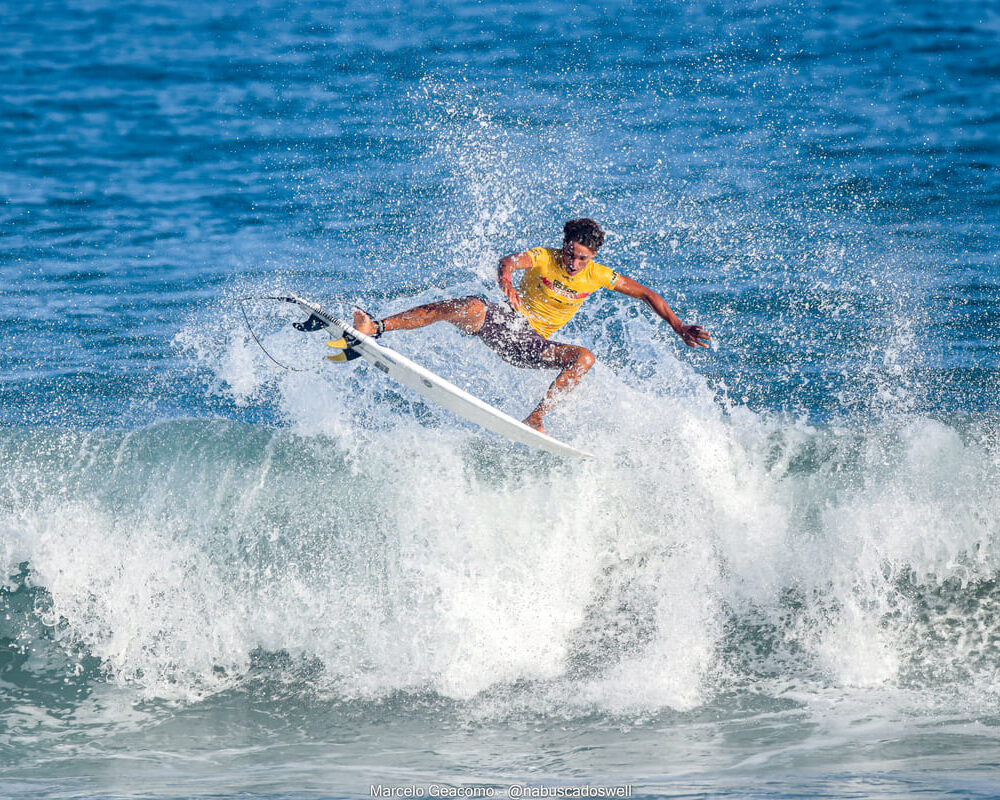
pixel 584 359
pixel 471 314
pixel 474 306
pixel 568 357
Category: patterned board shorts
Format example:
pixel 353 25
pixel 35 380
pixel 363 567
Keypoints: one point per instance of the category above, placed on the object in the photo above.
pixel 514 340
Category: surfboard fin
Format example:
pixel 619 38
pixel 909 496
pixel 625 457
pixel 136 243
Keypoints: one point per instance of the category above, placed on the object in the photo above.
pixel 344 355
pixel 314 323
pixel 345 342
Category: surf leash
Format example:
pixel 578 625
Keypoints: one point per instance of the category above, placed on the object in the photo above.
pixel 246 319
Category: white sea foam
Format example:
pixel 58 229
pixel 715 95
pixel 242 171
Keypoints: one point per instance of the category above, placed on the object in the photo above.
pixel 406 550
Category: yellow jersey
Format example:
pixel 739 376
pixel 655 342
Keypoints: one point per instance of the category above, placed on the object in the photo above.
pixel 551 297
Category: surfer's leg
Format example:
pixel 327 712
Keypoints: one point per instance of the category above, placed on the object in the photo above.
pixel 466 313
pixel 574 361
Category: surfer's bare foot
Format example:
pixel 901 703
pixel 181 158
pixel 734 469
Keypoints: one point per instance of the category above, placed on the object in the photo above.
pixel 534 420
pixel 364 323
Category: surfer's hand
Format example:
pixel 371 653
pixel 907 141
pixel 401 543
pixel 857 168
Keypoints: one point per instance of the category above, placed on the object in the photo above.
pixel 693 335
pixel 512 296
pixel 364 323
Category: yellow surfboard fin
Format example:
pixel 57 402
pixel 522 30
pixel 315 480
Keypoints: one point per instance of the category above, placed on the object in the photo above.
pixel 341 356
pixel 340 344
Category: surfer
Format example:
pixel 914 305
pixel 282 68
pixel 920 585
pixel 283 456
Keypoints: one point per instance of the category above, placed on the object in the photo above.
pixel 554 286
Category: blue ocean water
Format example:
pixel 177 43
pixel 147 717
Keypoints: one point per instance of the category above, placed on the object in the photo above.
pixel 779 578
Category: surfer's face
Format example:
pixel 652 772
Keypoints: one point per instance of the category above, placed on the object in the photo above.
pixel 575 257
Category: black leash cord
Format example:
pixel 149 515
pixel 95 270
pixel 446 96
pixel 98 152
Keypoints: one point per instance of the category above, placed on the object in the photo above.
pixel 246 319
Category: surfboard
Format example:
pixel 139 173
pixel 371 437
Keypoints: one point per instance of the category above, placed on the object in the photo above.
pixel 349 343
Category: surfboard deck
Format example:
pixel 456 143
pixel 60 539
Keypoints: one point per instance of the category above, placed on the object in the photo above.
pixel 425 383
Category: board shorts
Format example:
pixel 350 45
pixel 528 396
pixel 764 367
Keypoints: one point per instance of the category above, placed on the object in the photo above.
pixel 511 336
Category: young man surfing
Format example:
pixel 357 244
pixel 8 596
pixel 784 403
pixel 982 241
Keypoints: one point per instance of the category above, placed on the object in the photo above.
pixel 554 286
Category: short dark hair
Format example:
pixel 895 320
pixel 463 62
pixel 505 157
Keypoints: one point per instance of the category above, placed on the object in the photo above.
pixel 584 231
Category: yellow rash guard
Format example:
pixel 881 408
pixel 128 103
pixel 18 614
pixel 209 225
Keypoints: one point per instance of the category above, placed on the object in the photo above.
pixel 551 297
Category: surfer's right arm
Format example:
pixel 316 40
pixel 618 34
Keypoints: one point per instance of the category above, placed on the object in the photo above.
pixel 505 276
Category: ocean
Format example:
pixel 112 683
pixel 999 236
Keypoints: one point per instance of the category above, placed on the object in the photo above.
pixel 779 577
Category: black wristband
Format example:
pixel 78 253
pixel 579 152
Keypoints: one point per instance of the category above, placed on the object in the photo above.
pixel 379 327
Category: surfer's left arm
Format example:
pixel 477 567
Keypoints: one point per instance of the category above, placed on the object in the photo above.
pixel 693 335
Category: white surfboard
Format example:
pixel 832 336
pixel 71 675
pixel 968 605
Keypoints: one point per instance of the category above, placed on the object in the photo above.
pixel 435 388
